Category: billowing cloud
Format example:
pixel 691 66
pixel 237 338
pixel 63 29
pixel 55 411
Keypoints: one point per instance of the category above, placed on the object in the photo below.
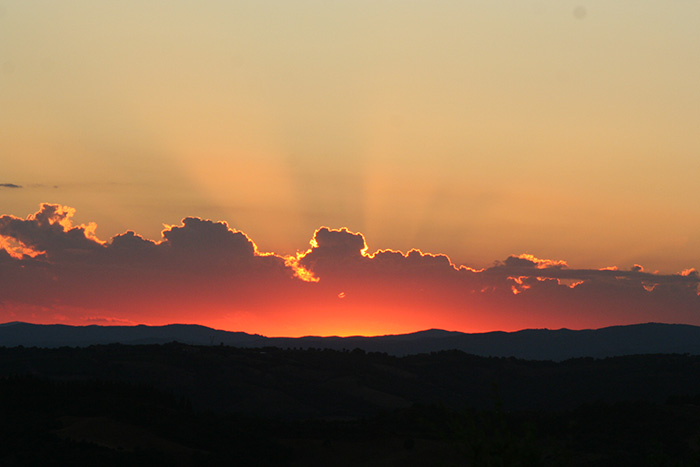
pixel 50 232
pixel 200 263
pixel 206 272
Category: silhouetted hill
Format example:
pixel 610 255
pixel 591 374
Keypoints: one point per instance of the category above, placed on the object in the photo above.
pixel 59 335
pixel 532 344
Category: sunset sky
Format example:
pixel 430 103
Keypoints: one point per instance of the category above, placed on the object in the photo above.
pixel 541 158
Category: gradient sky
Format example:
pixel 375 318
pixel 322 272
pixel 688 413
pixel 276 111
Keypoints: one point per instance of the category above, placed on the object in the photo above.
pixel 474 129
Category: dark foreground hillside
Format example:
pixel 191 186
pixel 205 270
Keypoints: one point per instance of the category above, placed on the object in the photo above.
pixel 187 405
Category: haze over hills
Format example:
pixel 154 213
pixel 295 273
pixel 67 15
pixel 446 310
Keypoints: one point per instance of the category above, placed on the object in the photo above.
pixel 533 344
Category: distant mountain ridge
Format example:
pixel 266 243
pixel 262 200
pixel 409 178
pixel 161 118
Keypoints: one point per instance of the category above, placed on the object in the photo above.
pixel 531 344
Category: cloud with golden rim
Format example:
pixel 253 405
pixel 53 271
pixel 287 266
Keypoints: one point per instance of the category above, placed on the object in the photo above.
pixel 204 271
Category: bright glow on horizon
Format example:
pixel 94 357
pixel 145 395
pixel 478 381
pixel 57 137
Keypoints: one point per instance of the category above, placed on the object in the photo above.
pixel 206 272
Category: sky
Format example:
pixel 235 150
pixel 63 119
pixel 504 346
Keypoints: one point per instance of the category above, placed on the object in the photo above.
pixel 552 136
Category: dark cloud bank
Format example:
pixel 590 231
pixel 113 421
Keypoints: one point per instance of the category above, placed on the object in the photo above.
pixel 52 270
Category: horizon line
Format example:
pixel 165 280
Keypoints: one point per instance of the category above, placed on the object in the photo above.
pixel 10 323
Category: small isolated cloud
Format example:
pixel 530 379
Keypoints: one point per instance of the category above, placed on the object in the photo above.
pixel 9 185
pixel 207 272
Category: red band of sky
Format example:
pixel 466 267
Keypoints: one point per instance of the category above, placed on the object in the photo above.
pixel 207 273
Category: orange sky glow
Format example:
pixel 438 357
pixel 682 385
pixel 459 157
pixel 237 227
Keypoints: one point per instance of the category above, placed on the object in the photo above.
pixel 480 165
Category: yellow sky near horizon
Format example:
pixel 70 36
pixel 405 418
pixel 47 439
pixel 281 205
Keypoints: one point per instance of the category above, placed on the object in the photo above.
pixel 476 129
